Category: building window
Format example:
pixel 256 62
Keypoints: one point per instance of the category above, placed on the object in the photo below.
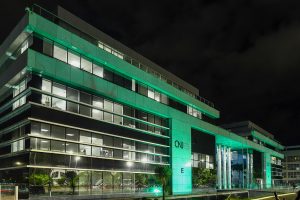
pixel 40 144
pixel 72 134
pixel 85 137
pixel 16 91
pixel 192 111
pixel 118 109
pixel 86 65
pixel 17 146
pixel 97 139
pixel 85 150
pixel 73 59
pixel 58 146
pixel 97 70
pixel 60 53
pixel 71 148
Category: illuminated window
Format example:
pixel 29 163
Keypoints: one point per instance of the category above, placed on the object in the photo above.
pixel 73 59
pixel 60 53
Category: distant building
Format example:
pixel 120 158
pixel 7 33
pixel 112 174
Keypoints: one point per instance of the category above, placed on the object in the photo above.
pixel 291 164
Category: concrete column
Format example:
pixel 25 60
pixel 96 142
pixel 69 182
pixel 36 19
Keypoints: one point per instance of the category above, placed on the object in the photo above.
pixel 229 168
pixel 224 161
pixel 219 167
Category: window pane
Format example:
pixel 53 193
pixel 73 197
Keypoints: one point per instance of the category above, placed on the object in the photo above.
pixel 85 150
pixel 58 103
pixel 59 90
pixel 117 153
pixel 118 108
pixel 85 98
pixel 98 102
pixel 40 144
pixel 22 86
pixel 46 100
pixel 46 85
pixel 151 93
pixel 96 151
pixel 107 75
pixel 57 146
pixel 97 114
pixel 142 90
pixel 157 96
pixel 72 94
pixel 107 140
pixel 72 107
pixel 97 139
pixel 118 142
pixel 108 117
pixel 47 47
pixel 84 110
pixel 73 59
pixel 72 134
pixel 45 130
pixel 85 137
pixel 86 65
pixel 58 132
pixel 59 53
pixel 35 128
pixel 107 152
pixel 72 148
pixel 108 105
pixel 97 70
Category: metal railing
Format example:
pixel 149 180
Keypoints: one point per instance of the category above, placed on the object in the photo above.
pixel 61 22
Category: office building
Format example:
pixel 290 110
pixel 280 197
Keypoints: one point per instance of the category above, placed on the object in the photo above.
pixel 291 165
pixel 81 113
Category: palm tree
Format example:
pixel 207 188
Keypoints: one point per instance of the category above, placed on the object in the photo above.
pixel 163 174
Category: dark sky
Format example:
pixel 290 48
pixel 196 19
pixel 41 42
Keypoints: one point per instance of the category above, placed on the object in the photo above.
pixel 243 55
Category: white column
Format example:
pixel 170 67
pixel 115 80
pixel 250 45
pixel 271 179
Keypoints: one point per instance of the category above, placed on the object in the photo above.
pixel 251 169
pixel 219 167
pixel 224 167
pixel 247 169
pixel 229 168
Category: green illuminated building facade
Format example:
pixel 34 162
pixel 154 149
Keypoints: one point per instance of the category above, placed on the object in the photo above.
pixel 82 114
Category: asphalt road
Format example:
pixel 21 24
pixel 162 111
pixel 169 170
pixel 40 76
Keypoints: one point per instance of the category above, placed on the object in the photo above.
pixel 281 197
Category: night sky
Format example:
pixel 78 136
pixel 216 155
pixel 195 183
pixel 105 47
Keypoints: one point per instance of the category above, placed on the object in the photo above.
pixel 243 55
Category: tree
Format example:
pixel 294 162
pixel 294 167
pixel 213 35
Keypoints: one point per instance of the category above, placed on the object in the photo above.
pixel 140 180
pixel 39 180
pixel 71 179
pixel 203 177
pixel 163 174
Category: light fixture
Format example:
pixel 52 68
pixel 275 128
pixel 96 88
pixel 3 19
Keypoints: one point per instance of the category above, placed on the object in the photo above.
pixel 18 163
pixel 44 141
pixel 129 164
pixel 77 158
pixel 44 130
pixel 144 160
pixel 70 134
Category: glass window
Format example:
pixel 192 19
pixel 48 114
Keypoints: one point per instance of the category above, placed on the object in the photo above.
pixel 107 140
pixel 57 146
pixel 59 103
pixel 72 148
pixel 40 144
pixel 85 110
pixel 47 47
pixel 46 85
pixel 117 153
pixel 119 110
pixel 157 96
pixel 97 70
pixel 96 151
pixel 108 75
pixel 118 142
pixel 128 144
pixel 98 102
pixel 60 53
pixel 97 139
pixel 142 89
pixel 72 94
pixel 59 90
pixel 85 137
pixel 108 105
pixel 72 107
pixel 107 152
pixel 58 132
pixel 151 93
pixel 73 59
pixel 164 99
pixel 22 86
pixel 72 134
pixel 85 150
pixel 45 130
pixel 97 114
pixel 86 65
pixel 35 128
pixel 46 100
pixel 85 98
